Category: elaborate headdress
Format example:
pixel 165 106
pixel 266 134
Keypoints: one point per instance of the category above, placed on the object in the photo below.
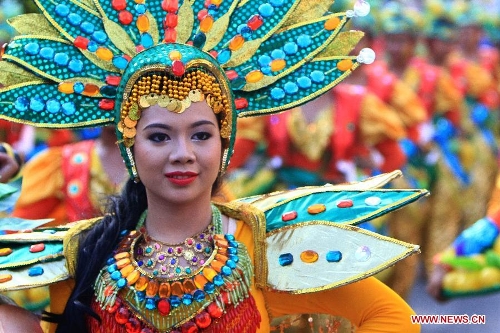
pixel 401 17
pixel 91 62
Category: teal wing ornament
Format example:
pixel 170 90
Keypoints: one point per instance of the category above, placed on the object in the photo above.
pixel 311 233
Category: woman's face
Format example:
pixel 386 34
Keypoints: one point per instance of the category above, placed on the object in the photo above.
pixel 178 156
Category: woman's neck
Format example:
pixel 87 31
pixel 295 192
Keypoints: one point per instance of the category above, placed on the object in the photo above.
pixel 173 223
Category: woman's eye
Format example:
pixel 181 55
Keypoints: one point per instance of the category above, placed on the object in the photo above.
pixel 158 137
pixel 202 136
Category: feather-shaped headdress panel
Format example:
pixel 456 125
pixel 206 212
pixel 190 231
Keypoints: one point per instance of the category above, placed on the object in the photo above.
pixel 71 64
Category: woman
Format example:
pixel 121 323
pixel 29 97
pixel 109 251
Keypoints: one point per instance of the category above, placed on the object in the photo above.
pixel 164 258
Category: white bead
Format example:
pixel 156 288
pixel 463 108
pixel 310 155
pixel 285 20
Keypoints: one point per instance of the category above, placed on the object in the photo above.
pixel 366 56
pixel 361 8
pixel 372 201
pixel 350 13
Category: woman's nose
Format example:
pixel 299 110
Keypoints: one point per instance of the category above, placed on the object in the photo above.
pixel 182 152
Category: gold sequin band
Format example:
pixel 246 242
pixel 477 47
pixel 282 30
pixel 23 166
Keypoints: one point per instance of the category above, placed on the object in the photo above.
pixel 176 95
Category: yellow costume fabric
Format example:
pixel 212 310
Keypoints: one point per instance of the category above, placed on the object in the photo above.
pixel 42 192
pixel 368 304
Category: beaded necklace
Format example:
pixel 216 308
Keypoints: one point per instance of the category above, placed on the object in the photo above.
pixel 128 293
pixel 155 258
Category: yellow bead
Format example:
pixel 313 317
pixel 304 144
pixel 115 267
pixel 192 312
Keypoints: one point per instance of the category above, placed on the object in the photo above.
pixel 127 270
pixel 200 281
pixel 309 256
pixel 209 273
pixel 254 76
pixel 152 288
pixel 236 43
pixel 175 55
pixel 278 64
pixel 164 290
pixel 142 283
pixel 216 2
pixel 122 263
pixel 133 277
pixel 316 209
pixel 66 87
pixel 344 65
pixel 142 23
pixel 177 289
pixel 104 54
pixel 206 24
pixel 5 251
pixel 332 23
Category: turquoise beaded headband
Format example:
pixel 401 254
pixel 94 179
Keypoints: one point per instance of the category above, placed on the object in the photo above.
pixel 70 65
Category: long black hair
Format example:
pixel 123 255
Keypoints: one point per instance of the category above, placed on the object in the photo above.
pixel 96 246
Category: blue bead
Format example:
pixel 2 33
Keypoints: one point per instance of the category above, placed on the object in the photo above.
pixel 47 53
pixel 74 19
pixel 141 295
pixel 199 40
pixel 110 262
pixel 121 283
pixel 62 10
pixel 290 48
pixel 199 295
pixel 278 54
pixel 264 60
pixel 37 104
pixel 277 3
pixel 35 271
pixel 150 304
pixel 231 264
pixel 140 8
pixel 175 301
pixel 232 243
pixel 244 31
pixel 209 288
pixel 304 41
pixel 277 94
pixel 224 56
pixel 187 299
pixel 78 87
pixel 100 36
pixel 21 104
pixel 53 106
pixel 317 76
pixel 112 268
pixel 87 27
pixel 212 9
pixel 291 88
pixel 285 259
pixel 234 258
pixel 304 82
pixel 238 83
pixel 108 91
pixel 232 250
pixel 218 280
pixel 61 59
pixel 266 70
pixel 266 10
pixel 188 270
pixel 120 62
pixel 75 65
pixel 32 48
pixel 226 271
pixel 229 237
pixel 147 40
pixel 334 256
pixel 116 275
pixel 93 46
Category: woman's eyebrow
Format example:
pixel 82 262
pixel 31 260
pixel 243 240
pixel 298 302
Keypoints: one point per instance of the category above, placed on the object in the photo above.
pixel 168 127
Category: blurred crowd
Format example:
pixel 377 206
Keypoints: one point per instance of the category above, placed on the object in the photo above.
pixel 428 106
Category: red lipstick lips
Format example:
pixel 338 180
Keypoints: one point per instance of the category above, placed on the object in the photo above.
pixel 181 178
